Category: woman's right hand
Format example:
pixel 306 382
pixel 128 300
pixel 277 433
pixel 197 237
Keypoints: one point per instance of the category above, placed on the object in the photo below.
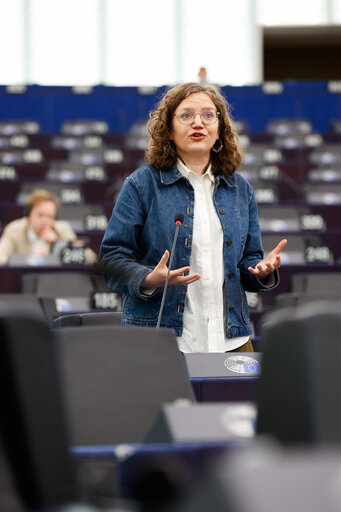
pixel 158 276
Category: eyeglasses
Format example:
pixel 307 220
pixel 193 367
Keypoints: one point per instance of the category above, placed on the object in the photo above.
pixel 208 116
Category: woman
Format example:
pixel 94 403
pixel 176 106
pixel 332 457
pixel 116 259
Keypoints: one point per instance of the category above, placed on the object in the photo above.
pixel 192 156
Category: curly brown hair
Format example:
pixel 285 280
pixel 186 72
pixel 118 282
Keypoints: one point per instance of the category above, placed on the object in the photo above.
pixel 161 151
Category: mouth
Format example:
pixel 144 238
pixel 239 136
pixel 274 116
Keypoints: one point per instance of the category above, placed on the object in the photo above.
pixel 197 136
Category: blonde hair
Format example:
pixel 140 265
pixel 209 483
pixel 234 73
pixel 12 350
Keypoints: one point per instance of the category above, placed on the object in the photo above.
pixel 38 196
pixel 161 151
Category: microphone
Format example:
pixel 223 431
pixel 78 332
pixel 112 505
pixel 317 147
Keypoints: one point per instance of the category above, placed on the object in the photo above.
pixel 178 219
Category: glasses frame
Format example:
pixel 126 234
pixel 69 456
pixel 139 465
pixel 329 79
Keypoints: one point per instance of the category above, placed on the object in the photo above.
pixel 195 115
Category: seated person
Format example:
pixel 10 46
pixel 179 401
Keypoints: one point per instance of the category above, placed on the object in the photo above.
pixel 38 232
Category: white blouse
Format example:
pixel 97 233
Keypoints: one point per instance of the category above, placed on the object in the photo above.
pixel 204 317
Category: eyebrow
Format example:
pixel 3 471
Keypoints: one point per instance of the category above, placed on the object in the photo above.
pixel 202 108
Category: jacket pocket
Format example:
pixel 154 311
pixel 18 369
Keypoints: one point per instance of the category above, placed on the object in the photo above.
pixel 147 311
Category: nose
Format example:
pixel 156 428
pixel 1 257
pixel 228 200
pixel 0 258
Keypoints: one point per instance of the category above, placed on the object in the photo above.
pixel 197 119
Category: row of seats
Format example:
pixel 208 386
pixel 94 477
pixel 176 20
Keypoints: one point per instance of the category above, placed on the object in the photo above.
pixel 82 401
pixel 306 211
pixel 63 293
pixel 75 191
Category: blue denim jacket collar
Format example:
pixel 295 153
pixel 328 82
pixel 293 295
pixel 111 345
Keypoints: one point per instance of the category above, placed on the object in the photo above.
pixel 173 175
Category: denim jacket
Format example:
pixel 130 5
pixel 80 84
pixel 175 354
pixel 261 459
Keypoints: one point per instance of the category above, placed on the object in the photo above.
pixel 142 227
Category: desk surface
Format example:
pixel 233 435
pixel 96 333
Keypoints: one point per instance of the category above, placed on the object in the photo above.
pixel 224 365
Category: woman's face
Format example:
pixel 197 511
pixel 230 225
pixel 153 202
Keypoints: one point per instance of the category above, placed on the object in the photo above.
pixel 196 139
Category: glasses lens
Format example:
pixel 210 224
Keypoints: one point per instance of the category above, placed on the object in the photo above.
pixel 208 116
pixel 188 116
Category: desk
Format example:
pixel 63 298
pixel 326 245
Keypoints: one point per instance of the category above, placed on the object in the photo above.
pixel 223 390
pixel 224 377
pixel 120 469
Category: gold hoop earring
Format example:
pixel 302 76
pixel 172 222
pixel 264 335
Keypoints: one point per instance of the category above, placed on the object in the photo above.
pixel 217 150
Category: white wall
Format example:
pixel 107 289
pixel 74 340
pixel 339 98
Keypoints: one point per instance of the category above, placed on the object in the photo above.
pixel 144 42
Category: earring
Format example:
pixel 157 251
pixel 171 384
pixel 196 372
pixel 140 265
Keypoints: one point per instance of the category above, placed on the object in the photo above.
pixel 216 150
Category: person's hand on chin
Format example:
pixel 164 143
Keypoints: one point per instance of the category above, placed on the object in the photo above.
pixel 48 234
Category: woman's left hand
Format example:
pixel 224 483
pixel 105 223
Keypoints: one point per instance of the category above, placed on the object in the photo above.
pixel 270 262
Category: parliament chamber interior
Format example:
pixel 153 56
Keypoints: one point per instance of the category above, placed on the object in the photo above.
pixel 143 425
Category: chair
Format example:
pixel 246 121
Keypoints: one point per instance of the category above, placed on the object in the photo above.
pixel 73 171
pixel 330 173
pixel 11 302
pixel 297 141
pixel 265 193
pixel 241 126
pixel 87 319
pixel 13 127
pixel 317 283
pixel 335 126
pixel 289 127
pixel 137 136
pixel 34 435
pixel 84 127
pixel 84 217
pixel 58 284
pixel 259 154
pixel 301 248
pixel 299 391
pixel 117 378
pixel 67 194
pixel 322 193
pixel 326 154
pixel 279 218
pixel 297 299
pixel 70 292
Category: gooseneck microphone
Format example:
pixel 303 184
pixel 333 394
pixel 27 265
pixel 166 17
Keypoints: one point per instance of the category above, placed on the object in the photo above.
pixel 178 219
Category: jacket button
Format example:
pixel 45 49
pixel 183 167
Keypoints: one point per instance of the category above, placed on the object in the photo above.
pixel 229 242
pixel 222 211
pixel 231 309
pixel 231 275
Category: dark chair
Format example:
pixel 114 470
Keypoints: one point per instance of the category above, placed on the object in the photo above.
pixel 33 432
pixel 17 302
pixel 86 217
pixel 66 192
pixel 335 126
pixel 58 284
pixel 259 154
pixel 312 283
pixel 279 218
pixel 14 126
pixel 293 252
pixel 71 292
pixel 326 154
pixel 330 173
pixel 87 319
pixel 296 299
pixel 116 380
pixel 322 193
pixel 73 171
pixel 84 127
pixel 289 127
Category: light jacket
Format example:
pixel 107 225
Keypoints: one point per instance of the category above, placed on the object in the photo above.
pixel 15 239
pixel 142 227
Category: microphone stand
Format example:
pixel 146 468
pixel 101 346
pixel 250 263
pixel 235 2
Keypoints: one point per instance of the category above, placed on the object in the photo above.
pixel 178 224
